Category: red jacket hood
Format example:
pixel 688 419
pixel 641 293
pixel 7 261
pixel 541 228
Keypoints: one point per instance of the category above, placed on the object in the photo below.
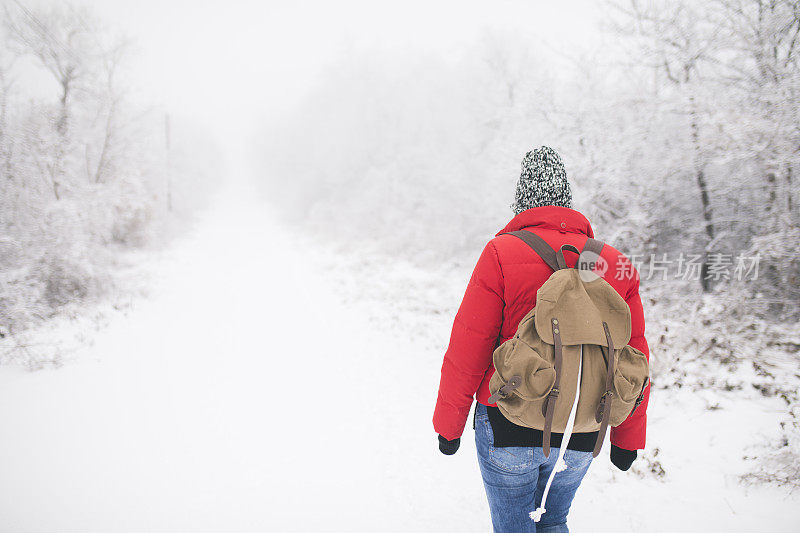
pixel 550 217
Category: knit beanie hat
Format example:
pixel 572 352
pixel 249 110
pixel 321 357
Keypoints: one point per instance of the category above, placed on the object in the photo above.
pixel 543 181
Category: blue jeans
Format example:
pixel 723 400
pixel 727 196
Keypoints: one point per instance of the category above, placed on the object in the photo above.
pixel 515 479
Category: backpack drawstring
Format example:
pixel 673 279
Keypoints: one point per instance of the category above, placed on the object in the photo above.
pixel 560 465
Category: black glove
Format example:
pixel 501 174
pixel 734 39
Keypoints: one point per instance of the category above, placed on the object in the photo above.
pixel 622 459
pixel 449 447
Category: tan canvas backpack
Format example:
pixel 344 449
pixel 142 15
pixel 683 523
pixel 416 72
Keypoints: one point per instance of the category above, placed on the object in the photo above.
pixel 577 333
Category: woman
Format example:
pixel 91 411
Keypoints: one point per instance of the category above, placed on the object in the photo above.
pixel 500 292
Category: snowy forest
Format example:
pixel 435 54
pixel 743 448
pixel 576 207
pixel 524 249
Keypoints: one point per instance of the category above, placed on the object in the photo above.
pixel 317 215
pixel 87 174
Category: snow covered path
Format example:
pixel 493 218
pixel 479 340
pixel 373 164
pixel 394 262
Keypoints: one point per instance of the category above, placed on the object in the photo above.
pixel 226 403
pixel 245 396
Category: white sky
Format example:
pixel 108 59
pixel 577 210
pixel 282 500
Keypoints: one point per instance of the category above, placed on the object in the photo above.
pixel 229 64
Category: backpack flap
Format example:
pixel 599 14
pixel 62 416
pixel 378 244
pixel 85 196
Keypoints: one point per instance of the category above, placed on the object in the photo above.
pixel 581 307
pixel 516 357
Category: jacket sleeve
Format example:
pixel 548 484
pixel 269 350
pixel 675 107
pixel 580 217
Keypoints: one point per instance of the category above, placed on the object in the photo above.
pixel 630 435
pixel 472 341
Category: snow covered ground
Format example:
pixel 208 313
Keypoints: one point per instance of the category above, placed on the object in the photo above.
pixel 268 384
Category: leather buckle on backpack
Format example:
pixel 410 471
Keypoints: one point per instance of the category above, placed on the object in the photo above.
pixel 506 389
pixel 552 396
pixel 598 416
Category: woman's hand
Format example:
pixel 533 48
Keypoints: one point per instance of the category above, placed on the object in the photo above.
pixel 449 447
pixel 622 459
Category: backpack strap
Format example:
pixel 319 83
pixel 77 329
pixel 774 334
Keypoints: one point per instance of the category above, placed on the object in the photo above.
pixel 593 246
pixel 555 259
pixel 604 409
pixel 539 245
pixel 562 263
pixel 549 406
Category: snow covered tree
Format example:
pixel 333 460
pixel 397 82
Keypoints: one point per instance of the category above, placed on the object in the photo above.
pixel 729 69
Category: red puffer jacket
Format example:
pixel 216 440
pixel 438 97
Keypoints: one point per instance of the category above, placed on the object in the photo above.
pixel 500 293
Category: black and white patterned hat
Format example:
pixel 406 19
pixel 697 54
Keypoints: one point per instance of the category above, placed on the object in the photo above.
pixel 543 181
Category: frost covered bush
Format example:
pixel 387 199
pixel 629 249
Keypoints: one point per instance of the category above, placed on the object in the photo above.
pixel 128 214
pixel 68 276
pixel 775 294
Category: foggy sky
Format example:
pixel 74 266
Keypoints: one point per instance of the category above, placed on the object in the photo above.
pixel 230 65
